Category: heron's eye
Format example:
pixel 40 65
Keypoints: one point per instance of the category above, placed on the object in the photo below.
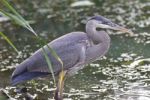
pixel 98 29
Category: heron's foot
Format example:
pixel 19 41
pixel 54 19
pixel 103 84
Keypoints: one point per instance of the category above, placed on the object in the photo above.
pixel 22 90
pixel 60 86
pixel 57 96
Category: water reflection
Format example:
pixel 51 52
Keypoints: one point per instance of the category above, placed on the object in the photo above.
pixel 133 91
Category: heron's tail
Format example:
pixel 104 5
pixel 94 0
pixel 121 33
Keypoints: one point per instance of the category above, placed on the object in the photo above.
pixel 26 76
pixel 22 74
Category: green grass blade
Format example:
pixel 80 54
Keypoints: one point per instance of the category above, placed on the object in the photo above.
pixel 43 42
pixel 14 18
pixel 18 17
pixel 49 64
pixel 55 55
pixel 8 40
pixel 10 8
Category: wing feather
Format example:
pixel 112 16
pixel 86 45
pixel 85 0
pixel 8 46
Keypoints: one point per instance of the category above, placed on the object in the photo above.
pixel 66 48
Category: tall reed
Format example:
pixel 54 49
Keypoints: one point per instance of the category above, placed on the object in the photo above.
pixel 14 16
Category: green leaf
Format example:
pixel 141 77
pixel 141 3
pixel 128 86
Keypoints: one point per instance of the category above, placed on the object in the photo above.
pixel 18 19
pixel 55 55
pixel 49 64
pixel 15 16
pixel 10 43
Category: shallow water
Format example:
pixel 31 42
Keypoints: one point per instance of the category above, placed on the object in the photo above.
pixel 123 74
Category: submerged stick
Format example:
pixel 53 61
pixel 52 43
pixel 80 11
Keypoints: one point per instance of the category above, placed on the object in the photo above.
pixel 26 95
pixel 5 96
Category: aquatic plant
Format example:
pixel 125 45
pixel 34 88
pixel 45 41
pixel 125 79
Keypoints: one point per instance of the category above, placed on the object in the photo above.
pixel 19 20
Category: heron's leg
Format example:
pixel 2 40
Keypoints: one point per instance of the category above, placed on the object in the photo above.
pixel 70 72
pixel 60 85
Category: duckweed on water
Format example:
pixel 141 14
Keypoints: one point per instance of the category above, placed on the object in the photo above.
pixel 123 74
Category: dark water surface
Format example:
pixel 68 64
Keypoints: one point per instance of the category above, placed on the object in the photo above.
pixel 123 74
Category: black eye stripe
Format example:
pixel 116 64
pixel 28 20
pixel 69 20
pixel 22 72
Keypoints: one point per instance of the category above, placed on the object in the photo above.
pixel 103 20
pixel 100 18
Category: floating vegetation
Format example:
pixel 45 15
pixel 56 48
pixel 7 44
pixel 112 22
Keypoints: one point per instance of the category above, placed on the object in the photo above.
pixel 123 74
pixel 82 3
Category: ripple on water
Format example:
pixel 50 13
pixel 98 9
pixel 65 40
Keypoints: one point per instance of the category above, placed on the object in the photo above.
pixel 133 91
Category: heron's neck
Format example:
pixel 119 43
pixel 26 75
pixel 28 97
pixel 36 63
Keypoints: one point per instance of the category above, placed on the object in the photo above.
pixel 100 39
pixel 96 36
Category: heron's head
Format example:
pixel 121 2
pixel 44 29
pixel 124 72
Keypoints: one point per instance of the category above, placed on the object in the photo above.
pixel 104 23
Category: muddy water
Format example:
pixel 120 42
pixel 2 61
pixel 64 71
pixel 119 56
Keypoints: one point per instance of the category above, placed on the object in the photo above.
pixel 123 74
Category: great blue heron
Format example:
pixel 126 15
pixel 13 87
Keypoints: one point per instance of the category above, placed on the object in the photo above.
pixel 75 50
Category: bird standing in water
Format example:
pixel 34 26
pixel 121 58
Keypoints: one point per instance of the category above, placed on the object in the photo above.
pixel 75 49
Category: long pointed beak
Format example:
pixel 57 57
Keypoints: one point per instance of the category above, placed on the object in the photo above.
pixel 122 29
pixel 116 27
